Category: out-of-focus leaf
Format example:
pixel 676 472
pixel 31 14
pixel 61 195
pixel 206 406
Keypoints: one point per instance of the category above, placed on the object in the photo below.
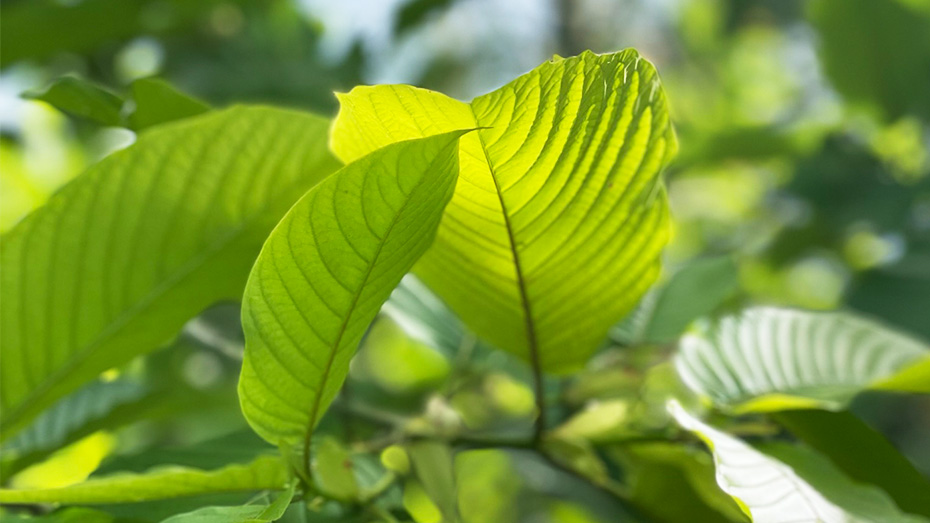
pixel 324 273
pixel 115 263
pixel 334 471
pixel 75 416
pixel 876 53
pixel 156 101
pixel 38 30
pixel 432 466
pixel 600 420
pixel 258 513
pixel 694 291
pixel 65 515
pixel 772 491
pixel 673 483
pixel 558 222
pixel 862 454
pixel 396 361
pixel 265 473
pixel 415 12
pixel 769 359
pixel 83 99
pixel 425 317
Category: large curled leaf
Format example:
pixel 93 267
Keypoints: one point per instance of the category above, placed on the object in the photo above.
pixel 772 492
pixel 265 472
pixel 555 229
pixel 324 273
pixel 117 261
pixel 768 359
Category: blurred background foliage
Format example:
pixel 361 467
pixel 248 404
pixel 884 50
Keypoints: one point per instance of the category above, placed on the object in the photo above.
pixel 805 160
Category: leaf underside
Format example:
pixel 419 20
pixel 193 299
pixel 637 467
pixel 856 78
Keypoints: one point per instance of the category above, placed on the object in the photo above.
pixel 324 273
pixel 115 263
pixel 559 218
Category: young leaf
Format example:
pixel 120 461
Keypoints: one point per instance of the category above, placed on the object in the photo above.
pixel 324 273
pixel 264 473
pixel 117 261
pixel 83 99
pixel 771 491
pixel 769 359
pixel 556 227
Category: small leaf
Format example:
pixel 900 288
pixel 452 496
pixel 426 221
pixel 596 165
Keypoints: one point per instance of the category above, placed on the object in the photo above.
pixel 771 491
pixel 258 513
pixel 324 273
pixel 694 291
pixel 433 467
pixel 157 101
pixel 769 359
pixel 333 470
pixel 118 260
pixel 556 227
pixel 82 98
pixel 266 472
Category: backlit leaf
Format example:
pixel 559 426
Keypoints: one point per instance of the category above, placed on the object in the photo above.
pixel 324 273
pixel 556 227
pixel 115 263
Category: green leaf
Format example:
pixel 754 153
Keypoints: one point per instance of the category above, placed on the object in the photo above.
pixel 694 291
pixel 876 53
pixel 157 101
pixel 259 513
pixel 659 472
pixel 73 417
pixel 772 491
pixel 332 466
pixel 83 99
pixel 115 263
pixel 266 472
pixel 557 224
pixel 769 359
pixel 66 515
pixel 862 454
pixel 324 273
pixel 433 468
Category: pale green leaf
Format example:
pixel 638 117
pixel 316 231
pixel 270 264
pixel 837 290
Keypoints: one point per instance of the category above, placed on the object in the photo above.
pixel 265 472
pixel 433 467
pixel 115 263
pixel 334 471
pixel 257 513
pixel 772 492
pixel 324 273
pixel 768 359
pixel 559 218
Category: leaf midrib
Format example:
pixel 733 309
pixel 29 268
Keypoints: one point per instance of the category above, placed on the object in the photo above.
pixel 314 412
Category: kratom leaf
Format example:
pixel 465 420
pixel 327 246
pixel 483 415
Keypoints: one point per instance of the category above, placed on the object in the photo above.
pixel 771 491
pixel 257 513
pixel 73 417
pixel 264 473
pixel 768 359
pixel 156 102
pixel 82 98
pixel 861 453
pixel 324 273
pixel 659 472
pixel 557 223
pixel 65 515
pixel 433 467
pixel 332 466
pixel 694 291
pixel 117 261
